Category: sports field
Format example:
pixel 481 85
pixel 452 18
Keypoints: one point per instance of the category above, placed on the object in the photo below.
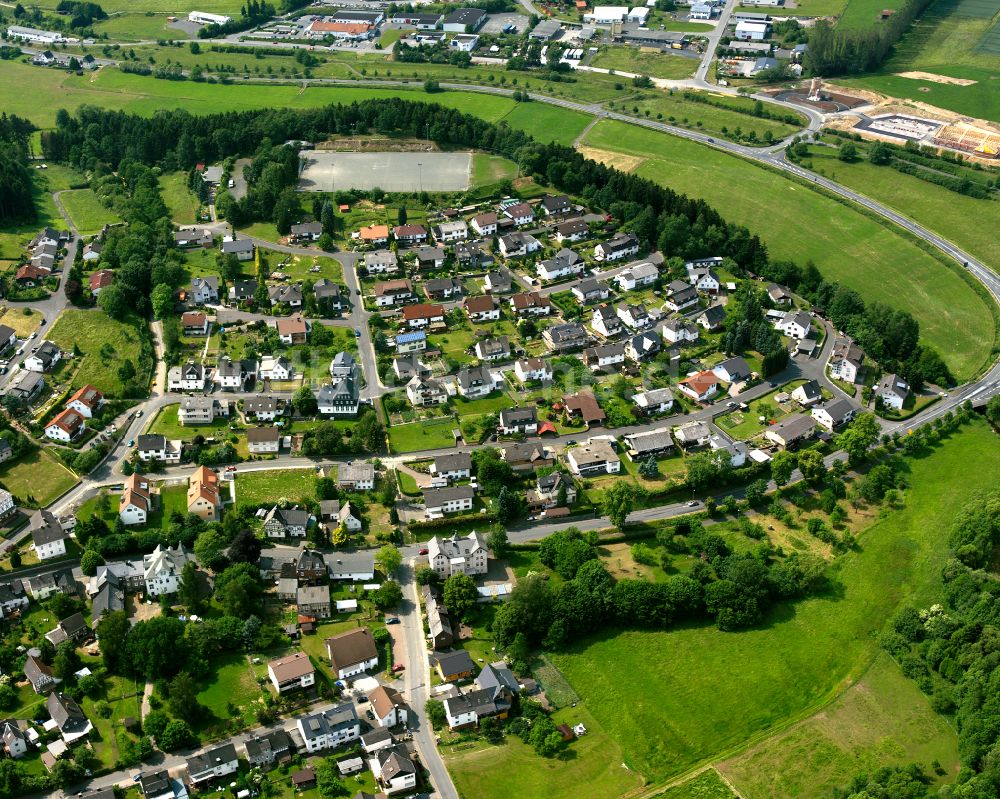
pixel 392 171
pixel 717 692
pixel 800 224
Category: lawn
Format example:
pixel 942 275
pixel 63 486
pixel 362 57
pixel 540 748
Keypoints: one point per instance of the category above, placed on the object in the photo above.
pixel 259 488
pixel 23 321
pixel 56 177
pixel 89 215
pixel 882 720
pixel 707 785
pixel 800 659
pixel 139 27
pixel 166 424
pixel 935 207
pixel 181 202
pixel 865 13
pixel 487 169
pixel 105 343
pixel 231 686
pixel 39 475
pixel 634 60
pixel 416 436
pixel 593 761
pixel 802 224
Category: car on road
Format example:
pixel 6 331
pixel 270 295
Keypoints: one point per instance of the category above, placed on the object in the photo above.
pixel 3 370
pixel 137 777
pixel 730 404
pixel 43 321
pixel 231 468
pixel 693 503
pixel 370 715
pixel 140 413
pixel 423 551
pixel 357 332
pixel 398 668
pixel 131 442
pixel 35 334
pixel 392 620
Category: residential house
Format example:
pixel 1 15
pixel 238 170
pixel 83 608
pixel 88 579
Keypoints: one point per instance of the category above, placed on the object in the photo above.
pixel 263 440
pixel 393 292
pixel 13 739
pixel 7 337
pixel 732 370
pixel 528 369
pixel 893 390
pixel 13 598
pixel 48 538
pixel 356 476
pixel 305 232
pixel 654 401
pixel 286 294
pixel 808 393
pixel 388 705
pixel 66 426
pixel 136 501
pixel 100 280
pixel 565 337
pixel 846 360
pixel 456 230
pixel 39 675
pixel 71 721
pixel 410 235
pixel 292 672
pixel 779 295
pixel 194 323
pixel 381 262
pixel 276 367
pixel 416 317
pixel 452 466
pixel 201 411
pixel 92 251
pixel 162 569
pixel 471 255
pixel 204 290
pixel 442 288
pixel 212 764
pixel 373 235
pixel 547 489
pixel 563 264
pixel 493 349
pixel 156 785
pixel 634 315
pixel 241 248
pixel 794 324
pixel 573 230
pixel 643 346
pixel 791 430
pixel 591 290
pixel 154 447
pixel 43 358
pixel 86 401
pixel 72 628
pixel 357 567
pixel 584 405
pixel 352 653
pixel 310 566
pixel 700 387
pixel 692 434
pixel 518 245
pixel 265 750
pixel 423 391
pixel 833 414
pixel 523 420
pixel 649 443
pixel 498 281
pixel 605 357
pixel 283 522
pixel 33 274
pixel 193 237
pixel 596 456
pixel 483 308
pixel 292 330
pixel 439 625
pixel 454 665
pixel 408 366
pixel 485 224
pixel 439 501
pixel 520 213
pixel 680 295
pixel 736 450
pixel 605 321
pixel 678 330
pixel 189 377
pixel 313 600
pixel 203 498
pixel 263 408
pixel 431 258
pixel 555 204
pixel 621 246
pixel 530 303
pixel 637 276
pixel 242 291
pixel 393 767
pixel 415 341
pixel 329 298
pixel 712 317
pixel 475 382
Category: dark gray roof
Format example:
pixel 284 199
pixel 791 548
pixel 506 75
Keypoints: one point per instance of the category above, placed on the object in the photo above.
pixel 206 760
pixel 455 662
pixel 435 497
pixel 45 528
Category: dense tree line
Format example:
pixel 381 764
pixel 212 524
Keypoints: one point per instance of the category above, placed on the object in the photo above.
pixel 16 203
pixel 438 53
pixel 748 329
pixel 81 14
pixel 252 14
pixel 950 647
pixel 659 215
pixel 836 50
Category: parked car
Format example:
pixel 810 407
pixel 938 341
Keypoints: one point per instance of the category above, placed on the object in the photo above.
pixel 398 668
pixel 392 620
pixel 423 551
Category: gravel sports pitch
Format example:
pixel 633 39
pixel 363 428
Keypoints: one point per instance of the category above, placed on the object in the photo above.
pixel 394 172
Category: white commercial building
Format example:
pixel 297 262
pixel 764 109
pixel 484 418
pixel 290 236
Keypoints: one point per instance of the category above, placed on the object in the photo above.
pixel 204 18
pixel 34 35
pixel 752 31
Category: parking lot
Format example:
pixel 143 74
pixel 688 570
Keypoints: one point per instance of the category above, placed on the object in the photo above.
pixel 497 22
pixel 330 171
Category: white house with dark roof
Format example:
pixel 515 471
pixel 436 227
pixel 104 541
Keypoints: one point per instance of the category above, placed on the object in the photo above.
pixel 458 554
pixel 831 415
pixel 794 324
pixel 48 538
pixel 893 390
pixel 213 763
pixel 452 466
pixel 441 501
pixel 617 248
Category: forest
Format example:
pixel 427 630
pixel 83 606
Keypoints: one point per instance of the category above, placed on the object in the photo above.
pixel 16 203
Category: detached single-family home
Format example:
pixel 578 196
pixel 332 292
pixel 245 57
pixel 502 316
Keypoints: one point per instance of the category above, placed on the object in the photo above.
pixel 493 349
pixel 485 224
pixel 313 600
pixel 204 290
pixel 643 346
pixel 617 248
pixel 292 330
pixel 13 740
pixel 86 401
pixel 356 476
pixel 637 276
pixel 283 522
pixel 893 390
pixel 563 264
pixel 565 337
pixel 533 369
pixel 808 393
pixel 162 568
pixel 573 230
pixel 155 447
pixel 393 292
pixel 584 405
pixel 275 367
pixel 779 295
pixel 136 500
pixel 518 245
pixel 388 705
pixel 651 443
pixel 265 750
pixel 291 672
pixel 393 766
pixel 732 370
pixel 591 290
pixel 791 430
pixel 453 665
pixel 423 391
pixel 68 425
pixel 442 288
pixel 263 440
pixel 43 358
pixel 416 317
pixel 452 466
pixel 330 728
pixel 634 315
pixel 100 280
pixel 381 262
pixel 439 501
pixel 483 308
pixel 373 234
pixel 189 377
pixel 693 434
pixel 520 213
pixel 605 356
pixel 352 653
pixel 678 331
pixel 40 675
pixel 519 420
pixel 547 489
pixel 597 456
pixel 409 235
pixel 431 258
pixel 832 414
pixel 193 237
pixel 415 341
pixel 712 317
pixel 242 291
pixel 456 230
pixel 241 248
pixel 680 295
pixel 794 324
pixel 203 498
pixel 605 321
pixel 555 204
pixel 530 303
pixel 195 323
pixel 700 387
pixel 498 281
pixel 475 382
pixel 71 721
pixel 213 763
pixel 654 401
pixel 846 360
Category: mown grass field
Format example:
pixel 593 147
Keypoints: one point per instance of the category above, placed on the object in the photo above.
pixel 801 224
pixel 707 785
pixel 655 65
pixel 91 331
pixel 258 488
pixel 37 474
pixel 86 211
pixel 882 720
pixel 416 436
pixel 139 27
pixel 180 200
pixel 946 212
pixel 865 13
pixel 804 654
pixel 803 8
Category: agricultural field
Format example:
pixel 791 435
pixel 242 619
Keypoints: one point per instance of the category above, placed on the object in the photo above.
pixel 124 27
pixel 654 64
pixel 87 212
pixel 22 320
pixel 865 13
pixel 944 211
pixel 105 343
pixel 803 657
pixel 545 122
pixel 803 8
pixel 37 474
pixel 801 224
pixel 707 785
pixel 259 488
pixel 487 169
pixel 884 719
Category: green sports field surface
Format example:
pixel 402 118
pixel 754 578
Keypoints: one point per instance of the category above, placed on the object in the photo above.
pixel 717 692
pixel 798 223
